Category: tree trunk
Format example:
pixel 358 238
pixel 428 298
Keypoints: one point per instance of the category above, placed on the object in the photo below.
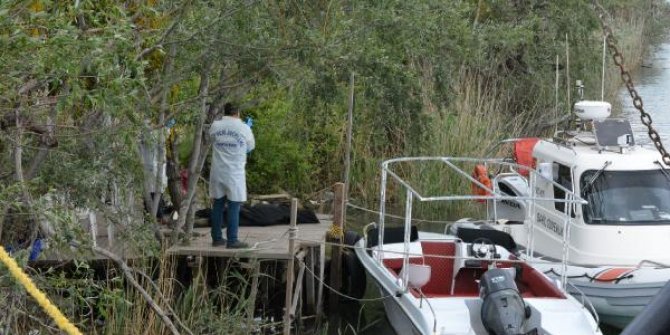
pixel 160 146
pixel 193 171
pixel 172 170
pixel 213 110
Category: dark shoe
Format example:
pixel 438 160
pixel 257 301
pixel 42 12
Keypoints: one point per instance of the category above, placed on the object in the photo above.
pixel 219 243
pixel 237 245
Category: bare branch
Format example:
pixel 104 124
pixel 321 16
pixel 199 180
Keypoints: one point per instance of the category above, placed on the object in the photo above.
pixel 129 276
pixel 160 295
pixel 168 32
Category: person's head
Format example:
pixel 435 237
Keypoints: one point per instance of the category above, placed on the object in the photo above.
pixel 230 109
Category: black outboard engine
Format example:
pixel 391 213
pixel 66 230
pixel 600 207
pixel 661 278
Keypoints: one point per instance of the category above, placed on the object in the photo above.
pixel 503 310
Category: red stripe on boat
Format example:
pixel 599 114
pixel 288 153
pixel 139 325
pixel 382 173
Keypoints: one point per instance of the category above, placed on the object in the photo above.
pixel 612 274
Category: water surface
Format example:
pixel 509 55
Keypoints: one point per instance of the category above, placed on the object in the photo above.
pixel 652 82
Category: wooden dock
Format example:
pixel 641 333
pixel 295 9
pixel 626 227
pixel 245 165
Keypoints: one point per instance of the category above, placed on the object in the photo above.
pixel 294 261
pixel 269 242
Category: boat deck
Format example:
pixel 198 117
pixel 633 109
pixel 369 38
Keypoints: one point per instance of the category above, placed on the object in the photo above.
pixel 271 242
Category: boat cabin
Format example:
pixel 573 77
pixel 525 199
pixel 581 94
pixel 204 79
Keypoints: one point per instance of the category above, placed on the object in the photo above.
pixel 626 188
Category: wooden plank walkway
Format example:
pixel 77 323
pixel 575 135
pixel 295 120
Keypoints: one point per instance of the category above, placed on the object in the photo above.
pixel 271 241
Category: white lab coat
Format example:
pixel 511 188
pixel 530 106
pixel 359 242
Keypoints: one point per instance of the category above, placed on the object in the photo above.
pixel 232 139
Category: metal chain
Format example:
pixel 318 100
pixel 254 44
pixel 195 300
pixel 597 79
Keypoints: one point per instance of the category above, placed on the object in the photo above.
pixel 628 81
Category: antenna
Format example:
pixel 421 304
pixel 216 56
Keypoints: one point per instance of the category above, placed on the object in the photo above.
pixel 567 71
pixel 602 85
pixel 556 93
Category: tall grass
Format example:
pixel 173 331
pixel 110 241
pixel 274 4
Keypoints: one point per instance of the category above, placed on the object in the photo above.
pixel 471 125
pixel 484 111
pixel 102 304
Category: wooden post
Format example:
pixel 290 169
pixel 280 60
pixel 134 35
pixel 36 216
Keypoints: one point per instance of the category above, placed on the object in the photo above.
pixel 298 283
pixel 291 266
pixel 336 257
pixel 319 294
pixel 310 300
pixel 350 125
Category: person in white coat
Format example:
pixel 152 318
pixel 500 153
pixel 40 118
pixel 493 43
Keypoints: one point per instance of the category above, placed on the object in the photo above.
pixel 232 140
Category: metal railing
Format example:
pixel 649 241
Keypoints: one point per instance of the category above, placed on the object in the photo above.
pixel 411 193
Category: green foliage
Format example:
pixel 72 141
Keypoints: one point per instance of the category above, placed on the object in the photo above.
pixel 89 79
pixel 279 154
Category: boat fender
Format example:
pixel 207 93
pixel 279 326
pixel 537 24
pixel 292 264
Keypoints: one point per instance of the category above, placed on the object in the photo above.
pixel 353 273
pixel 481 174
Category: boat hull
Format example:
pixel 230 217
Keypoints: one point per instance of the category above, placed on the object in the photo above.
pixel 403 318
pixel 397 317
pixel 616 304
pixel 617 300
pixel 459 312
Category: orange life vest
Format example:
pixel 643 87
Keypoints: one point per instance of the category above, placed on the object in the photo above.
pixel 481 175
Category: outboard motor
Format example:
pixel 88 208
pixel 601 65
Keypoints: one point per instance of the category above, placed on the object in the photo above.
pixel 503 310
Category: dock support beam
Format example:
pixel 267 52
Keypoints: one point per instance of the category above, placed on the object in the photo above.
pixel 291 266
pixel 336 257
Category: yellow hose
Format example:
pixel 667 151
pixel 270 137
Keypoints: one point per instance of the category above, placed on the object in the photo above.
pixel 63 323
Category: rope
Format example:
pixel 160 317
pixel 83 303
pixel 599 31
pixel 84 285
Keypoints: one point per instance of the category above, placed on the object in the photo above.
pixel 315 193
pixel 342 294
pixel 590 278
pixel 336 231
pixel 63 323
pixel 395 216
pixel 411 254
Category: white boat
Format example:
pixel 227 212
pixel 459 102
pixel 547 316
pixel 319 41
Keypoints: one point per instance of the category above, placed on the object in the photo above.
pixel 617 248
pixel 436 283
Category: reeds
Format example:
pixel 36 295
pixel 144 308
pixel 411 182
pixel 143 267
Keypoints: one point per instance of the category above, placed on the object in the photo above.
pixel 99 302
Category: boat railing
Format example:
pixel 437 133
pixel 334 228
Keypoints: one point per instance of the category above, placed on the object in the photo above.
pixel 650 262
pixel 492 193
pixel 432 311
pixel 586 302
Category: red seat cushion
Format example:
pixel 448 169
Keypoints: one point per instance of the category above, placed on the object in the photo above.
pixel 533 283
pixel 442 268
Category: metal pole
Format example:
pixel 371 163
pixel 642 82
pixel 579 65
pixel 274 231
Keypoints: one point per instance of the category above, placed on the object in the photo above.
pixel 382 214
pixel 566 241
pixel 291 266
pixel 602 88
pixel 531 216
pixel 408 229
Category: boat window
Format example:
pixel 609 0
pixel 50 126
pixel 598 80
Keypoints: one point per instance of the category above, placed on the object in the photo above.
pixel 563 177
pixel 626 198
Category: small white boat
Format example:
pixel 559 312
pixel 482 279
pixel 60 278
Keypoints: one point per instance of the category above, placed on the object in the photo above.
pixel 617 246
pixel 436 283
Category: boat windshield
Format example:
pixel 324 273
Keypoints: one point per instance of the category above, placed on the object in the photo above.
pixel 626 197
